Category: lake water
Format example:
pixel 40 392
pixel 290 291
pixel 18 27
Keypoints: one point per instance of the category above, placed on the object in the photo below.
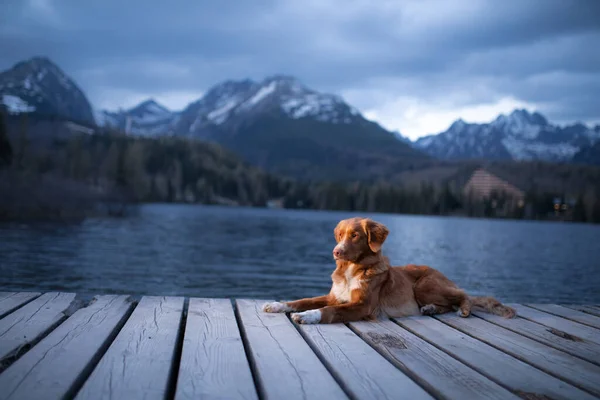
pixel 258 253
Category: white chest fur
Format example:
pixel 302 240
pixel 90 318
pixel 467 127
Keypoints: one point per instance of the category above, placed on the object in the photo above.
pixel 342 288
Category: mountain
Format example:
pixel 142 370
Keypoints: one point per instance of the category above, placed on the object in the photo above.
pixel 518 136
pixel 589 154
pixel 279 124
pixel 233 102
pixel 282 125
pixel 148 118
pixel 38 85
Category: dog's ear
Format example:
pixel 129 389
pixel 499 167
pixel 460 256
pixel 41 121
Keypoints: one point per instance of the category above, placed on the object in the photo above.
pixel 376 234
pixel 337 230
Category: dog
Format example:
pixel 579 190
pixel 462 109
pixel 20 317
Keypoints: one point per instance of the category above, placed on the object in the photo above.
pixel 366 287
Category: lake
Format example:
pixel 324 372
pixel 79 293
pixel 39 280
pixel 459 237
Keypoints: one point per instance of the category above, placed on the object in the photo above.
pixel 210 251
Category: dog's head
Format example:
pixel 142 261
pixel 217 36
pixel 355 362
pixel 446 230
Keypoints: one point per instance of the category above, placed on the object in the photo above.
pixel 358 238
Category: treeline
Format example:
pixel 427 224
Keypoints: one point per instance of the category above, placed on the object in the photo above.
pixel 73 173
pixel 117 168
pixel 446 199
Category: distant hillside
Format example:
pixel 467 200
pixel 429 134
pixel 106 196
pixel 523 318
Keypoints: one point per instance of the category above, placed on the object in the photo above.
pixel 589 155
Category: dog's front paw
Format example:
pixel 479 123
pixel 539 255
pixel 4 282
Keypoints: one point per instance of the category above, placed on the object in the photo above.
pixel 276 307
pixel 307 317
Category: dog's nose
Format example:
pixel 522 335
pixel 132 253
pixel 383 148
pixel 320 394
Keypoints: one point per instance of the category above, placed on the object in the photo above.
pixel 337 253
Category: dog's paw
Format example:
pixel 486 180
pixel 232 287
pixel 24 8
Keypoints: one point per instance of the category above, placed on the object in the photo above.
pixel 429 309
pixel 307 317
pixel 463 313
pixel 276 307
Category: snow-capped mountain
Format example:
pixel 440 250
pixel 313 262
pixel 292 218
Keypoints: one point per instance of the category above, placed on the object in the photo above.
pixel 286 127
pixel 232 102
pixel 148 118
pixel 38 85
pixel 518 136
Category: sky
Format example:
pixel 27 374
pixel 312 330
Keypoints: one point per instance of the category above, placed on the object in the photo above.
pixel 414 66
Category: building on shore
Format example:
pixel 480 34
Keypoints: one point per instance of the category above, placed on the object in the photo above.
pixel 501 198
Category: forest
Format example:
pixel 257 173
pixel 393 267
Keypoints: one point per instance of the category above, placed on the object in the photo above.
pixel 78 175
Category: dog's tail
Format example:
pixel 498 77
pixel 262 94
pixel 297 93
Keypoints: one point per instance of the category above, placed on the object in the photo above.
pixel 493 306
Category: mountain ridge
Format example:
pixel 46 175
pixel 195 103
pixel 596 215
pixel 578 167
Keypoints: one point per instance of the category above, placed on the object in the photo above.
pixel 276 123
pixel 279 110
pixel 519 136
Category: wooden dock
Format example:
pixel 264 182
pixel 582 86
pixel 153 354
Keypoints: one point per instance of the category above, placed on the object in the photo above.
pixel 55 346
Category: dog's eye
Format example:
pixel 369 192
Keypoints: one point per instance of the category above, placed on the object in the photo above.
pixel 354 235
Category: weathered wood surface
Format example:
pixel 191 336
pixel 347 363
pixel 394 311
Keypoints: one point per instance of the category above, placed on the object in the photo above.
pixel 28 323
pixel 569 313
pixel 558 339
pixel 440 373
pixel 11 301
pixel 167 348
pixel 213 360
pixel 580 373
pixel 53 368
pixel 594 310
pixel 285 366
pixel 512 373
pixel 140 358
pixel 576 329
pixel 358 366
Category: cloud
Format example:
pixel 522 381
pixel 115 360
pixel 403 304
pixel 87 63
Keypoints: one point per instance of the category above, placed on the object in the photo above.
pixel 415 65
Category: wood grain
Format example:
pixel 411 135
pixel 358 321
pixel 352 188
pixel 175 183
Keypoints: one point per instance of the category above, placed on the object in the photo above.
pixel 364 373
pixel 10 301
pixel 55 367
pixel 555 338
pixel 33 320
pixel 284 364
pixel 568 313
pixel 586 308
pixel 213 354
pixel 558 323
pixel 580 373
pixel 139 360
pixel 441 374
pixel 510 372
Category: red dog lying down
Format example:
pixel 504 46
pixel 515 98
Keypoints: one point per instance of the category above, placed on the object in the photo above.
pixel 365 287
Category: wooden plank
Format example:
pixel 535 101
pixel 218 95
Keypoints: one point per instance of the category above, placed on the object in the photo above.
pixel 30 322
pixel 577 372
pixel 436 371
pixel 521 378
pixel 139 361
pixel 54 367
pixel 284 364
pixel 213 354
pixel 10 301
pixel 4 295
pixel 573 345
pixel 362 371
pixel 585 308
pixel 573 315
pixel 558 323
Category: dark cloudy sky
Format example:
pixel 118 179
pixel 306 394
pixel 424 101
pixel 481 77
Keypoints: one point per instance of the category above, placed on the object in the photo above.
pixel 414 66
